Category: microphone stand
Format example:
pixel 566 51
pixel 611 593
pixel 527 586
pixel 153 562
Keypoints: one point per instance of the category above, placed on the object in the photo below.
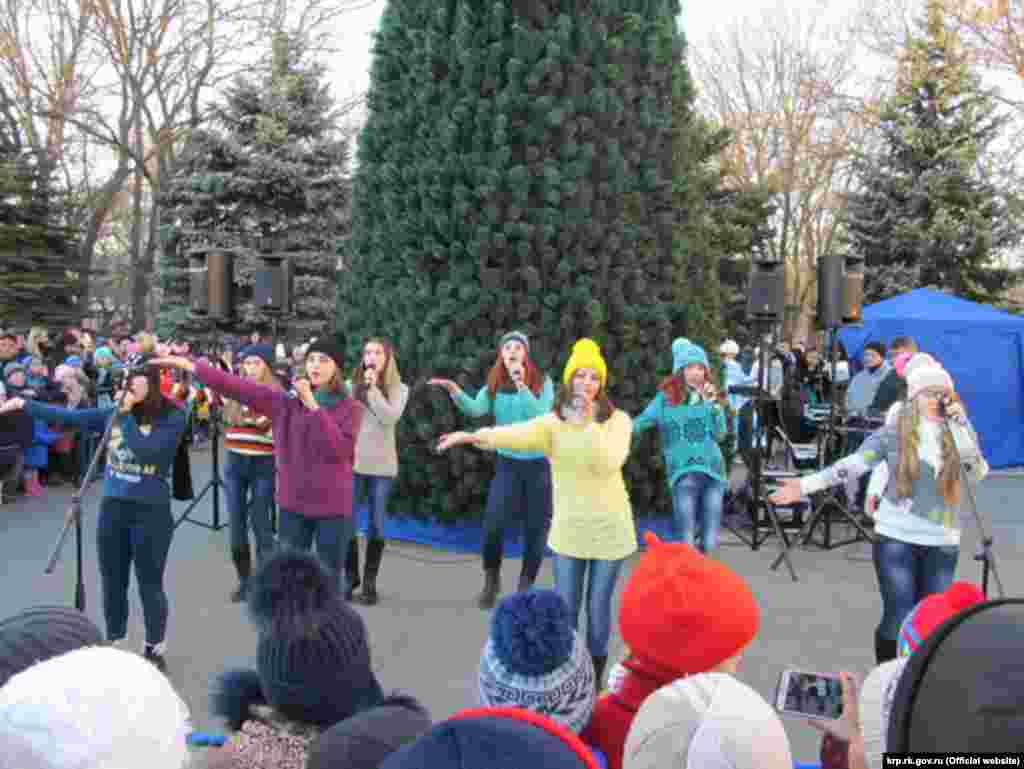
pixel 985 554
pixel 74 514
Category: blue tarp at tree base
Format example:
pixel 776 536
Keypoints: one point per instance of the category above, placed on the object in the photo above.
pixel 979 345
pixel 466 537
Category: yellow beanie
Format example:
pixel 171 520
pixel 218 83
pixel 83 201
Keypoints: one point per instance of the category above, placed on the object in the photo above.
pixel 586 354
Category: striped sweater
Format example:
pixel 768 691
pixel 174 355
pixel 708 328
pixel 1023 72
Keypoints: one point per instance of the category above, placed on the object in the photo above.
pixel 251 435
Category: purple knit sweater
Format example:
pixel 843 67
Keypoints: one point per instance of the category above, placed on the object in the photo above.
pixel 313 450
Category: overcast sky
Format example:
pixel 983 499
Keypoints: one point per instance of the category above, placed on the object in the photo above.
pixel 699 17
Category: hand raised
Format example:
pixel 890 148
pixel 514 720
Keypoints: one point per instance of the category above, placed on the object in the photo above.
pixel 787 493
pixel 447 384
pixel 173 361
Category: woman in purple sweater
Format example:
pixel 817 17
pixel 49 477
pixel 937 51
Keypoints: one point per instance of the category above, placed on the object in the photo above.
pixel 314 445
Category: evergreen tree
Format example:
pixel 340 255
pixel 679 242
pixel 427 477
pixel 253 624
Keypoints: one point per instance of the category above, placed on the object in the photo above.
pixel 272 170
pixel 37 253
pixel 515 172
pixel 925 213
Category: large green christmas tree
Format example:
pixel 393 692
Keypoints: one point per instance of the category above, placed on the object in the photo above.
pixel 515 171
pixel 274 170
pixel 926 215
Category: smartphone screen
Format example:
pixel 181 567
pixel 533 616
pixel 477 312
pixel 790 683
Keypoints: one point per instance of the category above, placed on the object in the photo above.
pixel 811 695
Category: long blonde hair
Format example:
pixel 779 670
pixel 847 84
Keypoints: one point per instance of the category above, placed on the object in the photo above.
pixel 35 336
pixel 908 467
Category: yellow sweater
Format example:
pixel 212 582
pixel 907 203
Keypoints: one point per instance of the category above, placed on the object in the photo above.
pixel 592 517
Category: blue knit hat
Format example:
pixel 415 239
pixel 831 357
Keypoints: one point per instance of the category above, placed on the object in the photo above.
pixel 495 738
pixel 264 352
pixel 12 367
pixel 313 657
pixel 516 336
pixel 75 361
pixel 535 660
pixel 687 353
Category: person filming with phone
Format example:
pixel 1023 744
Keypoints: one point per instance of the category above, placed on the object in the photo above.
pixel 927 441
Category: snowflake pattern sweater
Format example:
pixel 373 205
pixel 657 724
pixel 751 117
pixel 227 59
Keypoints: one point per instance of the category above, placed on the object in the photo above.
pixel 689 435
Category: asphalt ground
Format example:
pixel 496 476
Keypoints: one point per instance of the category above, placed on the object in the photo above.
pixel 427 633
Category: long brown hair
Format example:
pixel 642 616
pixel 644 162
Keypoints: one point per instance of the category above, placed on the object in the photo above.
pixel 389 382
pixel 155 406
pixel 234 411
pixel 565 396
pixel 498 378
pixel 908 467
pixel 676 389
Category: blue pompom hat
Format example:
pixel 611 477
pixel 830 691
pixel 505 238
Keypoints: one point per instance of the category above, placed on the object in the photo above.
pixel 535 660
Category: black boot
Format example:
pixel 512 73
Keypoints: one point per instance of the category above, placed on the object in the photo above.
pixel 352 568
pixel 492 586
pixel 885 649
pixel 155 655
pixel 599 663
pixel 243 565
pixel 374 555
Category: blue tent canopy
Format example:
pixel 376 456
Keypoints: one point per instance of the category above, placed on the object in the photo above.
pixel 980 346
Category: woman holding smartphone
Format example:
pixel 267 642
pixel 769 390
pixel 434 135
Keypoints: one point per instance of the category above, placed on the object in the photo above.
pixel 592 532
pixel 135 525
pixel 314 442
pixel 516 392
pixel 928 443
pixel 688 412
pixel 378 386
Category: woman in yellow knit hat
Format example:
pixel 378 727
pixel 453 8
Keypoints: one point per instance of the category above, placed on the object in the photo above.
pixel 587 442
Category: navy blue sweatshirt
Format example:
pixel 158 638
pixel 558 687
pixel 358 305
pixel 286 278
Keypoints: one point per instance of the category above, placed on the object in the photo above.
pixel 139 460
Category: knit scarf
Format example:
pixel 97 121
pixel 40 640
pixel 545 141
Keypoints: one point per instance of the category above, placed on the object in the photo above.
pixel 326 399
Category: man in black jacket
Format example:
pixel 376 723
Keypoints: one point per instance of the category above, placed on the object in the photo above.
pixel 893 388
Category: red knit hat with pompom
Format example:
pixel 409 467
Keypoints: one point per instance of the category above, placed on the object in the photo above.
pixel 685 612
pixel 933 611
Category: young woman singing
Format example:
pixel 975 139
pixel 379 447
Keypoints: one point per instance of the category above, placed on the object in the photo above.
pixel 520 491
pixel 378 386
pixel 314 442
pixel 689 414
pixel 928 443
pixel 249 469
pixel 592 532
pixel 135 524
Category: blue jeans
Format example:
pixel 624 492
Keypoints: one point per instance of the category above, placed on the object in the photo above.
pixel 569 578
pixel 244 474
pixel 697 502
pixel 519 495
pixel 332 537
pixel 375 489
pixel 908 573
pixel 134 534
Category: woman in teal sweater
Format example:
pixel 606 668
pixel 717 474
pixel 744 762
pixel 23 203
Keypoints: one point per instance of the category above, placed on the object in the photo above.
pixel 521 488
pixel 689 412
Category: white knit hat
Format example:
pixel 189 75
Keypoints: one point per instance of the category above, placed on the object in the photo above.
pixel 876 698
pixel 923 377
pixel 92 708
pixel 729 347
pixel 706 721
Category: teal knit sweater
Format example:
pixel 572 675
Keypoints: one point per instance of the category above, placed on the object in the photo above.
pixel 689 436
pixel 509 407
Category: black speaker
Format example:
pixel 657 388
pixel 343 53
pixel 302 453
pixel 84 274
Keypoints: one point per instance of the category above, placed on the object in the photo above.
pixel 198 285
pixel 830 282
pixel 852 291
pixel 220 274
pixel 766 291
pixel 272 287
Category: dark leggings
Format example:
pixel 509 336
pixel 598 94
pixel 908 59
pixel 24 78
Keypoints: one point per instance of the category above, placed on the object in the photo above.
pixel 520 495
pixel 135 534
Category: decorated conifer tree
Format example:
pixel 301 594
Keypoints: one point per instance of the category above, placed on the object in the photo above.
pixel 514 172
pixel 272 169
